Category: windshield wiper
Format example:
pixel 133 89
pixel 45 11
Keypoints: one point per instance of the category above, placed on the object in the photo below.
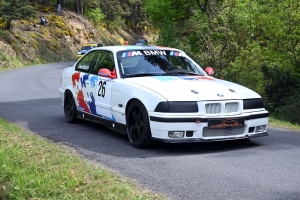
pixel 143 74
pixel 179 73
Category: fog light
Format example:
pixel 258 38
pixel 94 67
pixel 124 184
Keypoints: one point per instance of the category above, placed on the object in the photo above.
pixel 260 128
pixel 176 134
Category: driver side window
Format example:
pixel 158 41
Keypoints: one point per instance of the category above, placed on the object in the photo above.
pixel 102 59
pixel 85 63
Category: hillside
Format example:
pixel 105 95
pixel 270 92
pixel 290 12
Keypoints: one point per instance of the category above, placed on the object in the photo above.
pixel 28 42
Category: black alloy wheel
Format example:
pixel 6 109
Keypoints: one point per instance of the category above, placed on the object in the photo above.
pixel 138 128
pixel 70 108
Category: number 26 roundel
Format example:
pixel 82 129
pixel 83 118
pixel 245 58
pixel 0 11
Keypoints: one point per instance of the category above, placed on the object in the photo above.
pixel 101 91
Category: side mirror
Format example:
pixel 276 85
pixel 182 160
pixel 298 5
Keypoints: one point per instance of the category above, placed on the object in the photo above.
pixel 106 73
pixel 210 71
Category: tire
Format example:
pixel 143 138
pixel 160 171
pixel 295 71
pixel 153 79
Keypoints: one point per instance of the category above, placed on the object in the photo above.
pixel 138 127
pixel 70 108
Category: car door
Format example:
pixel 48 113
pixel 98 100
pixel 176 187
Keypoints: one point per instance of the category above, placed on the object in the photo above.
pixel 102 85
pixel 81 82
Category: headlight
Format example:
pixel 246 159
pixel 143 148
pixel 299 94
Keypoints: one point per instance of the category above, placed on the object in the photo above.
pixel 177 107
pixel 252 104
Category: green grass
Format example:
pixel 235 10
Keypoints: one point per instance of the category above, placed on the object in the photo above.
pixel 32 167
pixel 283 124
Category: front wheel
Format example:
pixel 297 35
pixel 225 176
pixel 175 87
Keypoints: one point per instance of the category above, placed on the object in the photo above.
pixel 138 128
pixel 70 108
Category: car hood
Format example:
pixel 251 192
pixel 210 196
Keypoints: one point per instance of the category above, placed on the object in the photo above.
pixel 194 88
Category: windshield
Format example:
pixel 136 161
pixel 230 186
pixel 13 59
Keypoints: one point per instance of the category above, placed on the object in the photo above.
pixel 141 41
pixel 86 48
pixel 156 63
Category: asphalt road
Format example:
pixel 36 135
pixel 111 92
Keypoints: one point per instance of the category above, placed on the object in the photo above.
pixel 263 168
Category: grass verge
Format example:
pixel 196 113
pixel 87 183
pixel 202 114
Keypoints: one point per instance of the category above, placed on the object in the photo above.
pixel 283 124
pixel 32 167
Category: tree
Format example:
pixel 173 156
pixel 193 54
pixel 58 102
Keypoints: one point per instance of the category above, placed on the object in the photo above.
pixel 15 9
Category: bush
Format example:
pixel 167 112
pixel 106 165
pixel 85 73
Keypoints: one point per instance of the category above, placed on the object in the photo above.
pixel 282 93
pixel 15 9
pixel 290 110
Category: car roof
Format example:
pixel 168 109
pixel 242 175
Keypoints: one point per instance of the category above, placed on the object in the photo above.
pixel 135 48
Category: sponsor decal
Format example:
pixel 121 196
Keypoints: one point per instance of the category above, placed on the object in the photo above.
pixel 80 108
pixel 85 67
pixel 155 53
pixel 131 53
pixel 175 53
pixel 145 52
pixel 226 123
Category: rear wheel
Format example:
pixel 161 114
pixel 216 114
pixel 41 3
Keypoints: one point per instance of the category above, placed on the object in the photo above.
pixel 70 108
pixel 138 128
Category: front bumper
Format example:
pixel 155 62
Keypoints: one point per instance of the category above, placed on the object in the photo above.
pixel 196 129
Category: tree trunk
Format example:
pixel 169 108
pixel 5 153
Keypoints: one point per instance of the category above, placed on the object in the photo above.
pixel 78 7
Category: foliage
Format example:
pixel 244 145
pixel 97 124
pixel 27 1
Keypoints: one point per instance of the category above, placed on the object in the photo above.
pixel 282 93
pixel 236 38
pixel 128 14
pixel 15 9
pixel 95 16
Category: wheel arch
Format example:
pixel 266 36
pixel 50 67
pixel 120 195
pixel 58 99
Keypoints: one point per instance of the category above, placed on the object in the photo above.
pixel 144 138
pixel 129 103
pixel 70 90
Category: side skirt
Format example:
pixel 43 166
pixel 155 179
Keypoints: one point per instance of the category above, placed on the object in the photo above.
pixel 115 126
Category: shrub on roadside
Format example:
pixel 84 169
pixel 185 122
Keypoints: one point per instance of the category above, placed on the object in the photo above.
pixel 282 93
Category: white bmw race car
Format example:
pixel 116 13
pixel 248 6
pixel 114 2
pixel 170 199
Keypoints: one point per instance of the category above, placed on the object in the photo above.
pixel 159 93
